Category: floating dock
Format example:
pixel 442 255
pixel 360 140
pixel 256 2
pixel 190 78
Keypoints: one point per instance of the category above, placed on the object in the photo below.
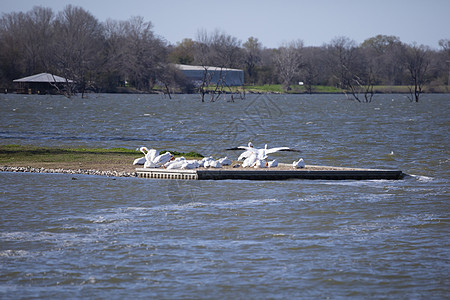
pixel 282 172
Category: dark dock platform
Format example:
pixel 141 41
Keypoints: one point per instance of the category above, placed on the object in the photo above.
pixel 282 172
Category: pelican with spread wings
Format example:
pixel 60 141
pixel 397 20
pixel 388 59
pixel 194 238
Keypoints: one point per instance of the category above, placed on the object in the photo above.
pixel 261 153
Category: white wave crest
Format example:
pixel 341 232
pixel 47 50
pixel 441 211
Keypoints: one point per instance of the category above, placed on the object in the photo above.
pixel 422 178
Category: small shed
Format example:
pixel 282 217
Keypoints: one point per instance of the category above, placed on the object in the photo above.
pixel 42 83
pixel 230 77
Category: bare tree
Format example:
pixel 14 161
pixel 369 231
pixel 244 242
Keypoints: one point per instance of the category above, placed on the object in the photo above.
pixel 367 73
pixel 417 60
pixel 113 53
pixel 312 67
pixel 37 33
pixel 133 54
pixel 203 58
pixel 225 50
pixel 252 57
pixel 220 51
pixel 288 61
pixel 78 42
pixel 445 45
pixel 266 71
pixel 226 53
pixel 352 68
pixel 12 62
pixel 342 51
pixel 384 53
pixel 145 54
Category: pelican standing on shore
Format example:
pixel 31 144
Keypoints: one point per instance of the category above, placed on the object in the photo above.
pixel 149 155
pixel 298 164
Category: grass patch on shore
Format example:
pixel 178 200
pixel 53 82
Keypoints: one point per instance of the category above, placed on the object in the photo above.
pixel 187 155
pixel 11 154
pixel 323 89
pixel 267 88
pixel 74 158
pixel 294 89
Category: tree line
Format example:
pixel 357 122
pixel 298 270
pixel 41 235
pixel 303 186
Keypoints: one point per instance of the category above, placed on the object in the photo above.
pixel 105 56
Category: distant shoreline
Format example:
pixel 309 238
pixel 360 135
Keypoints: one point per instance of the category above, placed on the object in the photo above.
pixel 272 89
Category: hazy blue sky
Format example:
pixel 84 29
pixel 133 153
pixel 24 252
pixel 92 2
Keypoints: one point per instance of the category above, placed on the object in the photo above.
pixel 273 22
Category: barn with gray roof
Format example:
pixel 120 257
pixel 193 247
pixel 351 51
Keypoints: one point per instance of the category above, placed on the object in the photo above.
pixel 41 83
pixel 229 77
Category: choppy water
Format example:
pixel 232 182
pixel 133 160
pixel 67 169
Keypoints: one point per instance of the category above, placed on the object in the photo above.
pixel 75 236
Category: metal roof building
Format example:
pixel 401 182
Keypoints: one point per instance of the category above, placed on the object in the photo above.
pixel 230 77
pixel 42 83
pixel 43 77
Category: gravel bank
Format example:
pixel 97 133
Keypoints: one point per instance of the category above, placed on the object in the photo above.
pixel 68 171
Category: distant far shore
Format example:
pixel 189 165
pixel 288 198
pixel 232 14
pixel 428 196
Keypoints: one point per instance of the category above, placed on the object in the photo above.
pixel 266 89
pixel 302 89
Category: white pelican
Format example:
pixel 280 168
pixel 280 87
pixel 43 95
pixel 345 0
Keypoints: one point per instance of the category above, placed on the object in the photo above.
pixel 250 161
pixel 174 164
pixel 207 161
pixel 151 158
pixel 225 161
pixel 163 158
pixel 148 154
pixel 298 164
pixel 246 153
pixel 190 164
pixel 148 158
pixel 260 163
pixel 215 164
pixel 149 164
pixel 272 164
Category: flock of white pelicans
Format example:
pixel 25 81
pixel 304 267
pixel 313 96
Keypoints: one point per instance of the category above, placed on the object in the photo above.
pixel 251 158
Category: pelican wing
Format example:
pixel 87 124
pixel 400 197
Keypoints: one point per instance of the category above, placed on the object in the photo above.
pixel 239 148
pixel 273 150
pixel 251 149
pixel 151 154
pixel 244 155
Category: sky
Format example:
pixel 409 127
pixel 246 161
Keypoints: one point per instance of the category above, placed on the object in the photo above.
pixel 275 22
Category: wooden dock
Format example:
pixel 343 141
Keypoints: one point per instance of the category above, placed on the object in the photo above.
pixel 282 172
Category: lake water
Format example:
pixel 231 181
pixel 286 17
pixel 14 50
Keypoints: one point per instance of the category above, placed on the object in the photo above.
pixel 79 236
